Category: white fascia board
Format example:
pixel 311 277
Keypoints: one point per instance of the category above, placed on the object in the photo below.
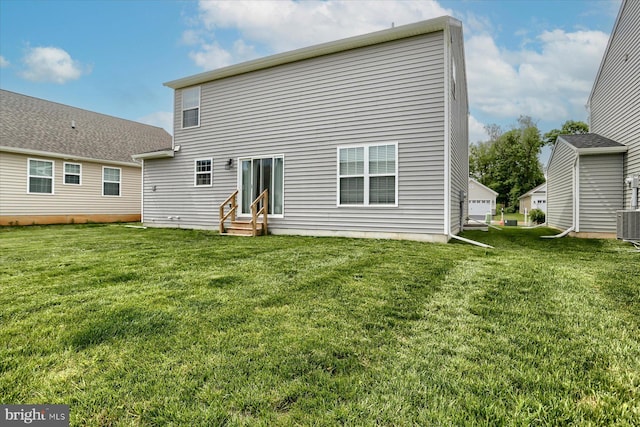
pixel 163 154
pixel 66 156
pixel 404 31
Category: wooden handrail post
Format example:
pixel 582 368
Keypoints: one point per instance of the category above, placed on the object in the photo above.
pixel 232 201
pixel 264 197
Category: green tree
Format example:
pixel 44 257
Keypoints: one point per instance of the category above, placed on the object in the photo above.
pixel 570 127
pixel 508 162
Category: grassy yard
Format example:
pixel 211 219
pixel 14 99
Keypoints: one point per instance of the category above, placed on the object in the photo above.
pixel 179 327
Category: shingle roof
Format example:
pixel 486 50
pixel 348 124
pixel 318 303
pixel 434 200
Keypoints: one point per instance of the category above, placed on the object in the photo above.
pixel 29 123
pixel 590 140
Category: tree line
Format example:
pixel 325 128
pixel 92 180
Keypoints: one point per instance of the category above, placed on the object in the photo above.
pixel 508 161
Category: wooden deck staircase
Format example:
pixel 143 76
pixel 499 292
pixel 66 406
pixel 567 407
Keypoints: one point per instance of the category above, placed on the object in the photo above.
pixel 256 226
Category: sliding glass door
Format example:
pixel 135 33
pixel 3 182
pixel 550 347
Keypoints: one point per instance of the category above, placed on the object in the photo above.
pixel 259 174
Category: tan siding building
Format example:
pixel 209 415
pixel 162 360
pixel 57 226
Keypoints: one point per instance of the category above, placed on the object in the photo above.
pixel 60 164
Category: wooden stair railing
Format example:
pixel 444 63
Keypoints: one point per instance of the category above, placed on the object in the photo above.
pixel 255 212
pixel 232 201
pixel 253 227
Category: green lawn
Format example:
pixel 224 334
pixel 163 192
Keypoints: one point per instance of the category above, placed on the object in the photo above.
pixel 179 327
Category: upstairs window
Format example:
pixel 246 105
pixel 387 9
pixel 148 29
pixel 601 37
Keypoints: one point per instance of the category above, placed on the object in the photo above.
pixel 204 173
pixel 110 181
pixel 191 107
pixel 40 176
pixel 72 173
pixel 367 175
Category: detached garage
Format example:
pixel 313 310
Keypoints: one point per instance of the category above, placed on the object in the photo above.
pixel 482 200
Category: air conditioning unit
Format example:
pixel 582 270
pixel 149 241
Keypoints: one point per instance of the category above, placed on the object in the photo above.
pixel 628 225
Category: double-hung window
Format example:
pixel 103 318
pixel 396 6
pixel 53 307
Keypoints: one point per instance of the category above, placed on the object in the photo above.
pixel 40 175
pixel 367 175
pixel 110 181
pixel 203 173
pixel 191 107
pixel 72 173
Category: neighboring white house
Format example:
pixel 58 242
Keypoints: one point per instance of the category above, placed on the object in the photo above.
pixel 586 174
pixel 361 137
pixel 482 200
pixel 534 199
pixel 61 164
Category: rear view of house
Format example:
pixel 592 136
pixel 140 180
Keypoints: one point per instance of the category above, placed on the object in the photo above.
pixel 591 177
pixel 61 164
pixel 362 137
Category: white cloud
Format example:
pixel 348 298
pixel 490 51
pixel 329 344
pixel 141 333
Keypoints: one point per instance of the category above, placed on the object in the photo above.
pixel 4 62
pixel 51 64
pixel 548 76
pixel 551 82
pixel 285 25
pixel 476 131
pixel 161 119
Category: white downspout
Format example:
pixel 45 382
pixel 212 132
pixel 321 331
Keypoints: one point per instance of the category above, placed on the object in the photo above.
pixel 576 201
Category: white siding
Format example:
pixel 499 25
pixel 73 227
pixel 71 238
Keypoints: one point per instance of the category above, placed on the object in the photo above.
pixel 601 187
pixel 84 199
pixel 458 132
pixel 390 92
pixel 615 100
pixel 560 197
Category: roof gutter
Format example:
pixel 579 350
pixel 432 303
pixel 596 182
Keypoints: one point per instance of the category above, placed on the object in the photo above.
pixel 602 150
pixel 63 156
pixel 162 154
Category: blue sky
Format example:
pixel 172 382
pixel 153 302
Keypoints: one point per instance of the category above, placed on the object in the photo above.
pixel 537 58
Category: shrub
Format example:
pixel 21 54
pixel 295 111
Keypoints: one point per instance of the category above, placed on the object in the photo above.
pixel 537 216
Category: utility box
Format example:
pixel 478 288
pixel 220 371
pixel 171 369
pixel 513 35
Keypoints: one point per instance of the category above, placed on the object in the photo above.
pixel 628 225
pixel 511 222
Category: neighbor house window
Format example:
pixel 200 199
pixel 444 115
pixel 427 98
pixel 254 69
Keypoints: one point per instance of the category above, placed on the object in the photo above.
pixel 110 181
pixel 40 175
pixel 204 173
pixel 191 107
pixel 72 173
pixel 367 175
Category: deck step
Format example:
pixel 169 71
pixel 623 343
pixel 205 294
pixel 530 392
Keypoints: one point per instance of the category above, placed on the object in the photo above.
pixel 243 228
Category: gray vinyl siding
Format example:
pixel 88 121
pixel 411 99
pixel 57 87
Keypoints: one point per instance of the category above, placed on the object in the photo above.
pixel 615 100
pixel 601 187
pixel 385 93
pixel 560 197
pixel 84 199
pixel 458 132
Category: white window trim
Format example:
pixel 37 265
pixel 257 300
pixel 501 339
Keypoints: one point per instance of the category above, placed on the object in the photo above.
pixel 29 176
pixel 195 172
pixel 119 182
pixel 182 109
pixel 366 176
pixel 64 173
pixel 239 180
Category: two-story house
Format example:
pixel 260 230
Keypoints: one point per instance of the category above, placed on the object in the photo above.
pixel 590 177
pixel 361 137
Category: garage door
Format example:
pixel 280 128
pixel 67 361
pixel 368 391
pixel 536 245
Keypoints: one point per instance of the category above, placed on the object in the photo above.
pixel 479 208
